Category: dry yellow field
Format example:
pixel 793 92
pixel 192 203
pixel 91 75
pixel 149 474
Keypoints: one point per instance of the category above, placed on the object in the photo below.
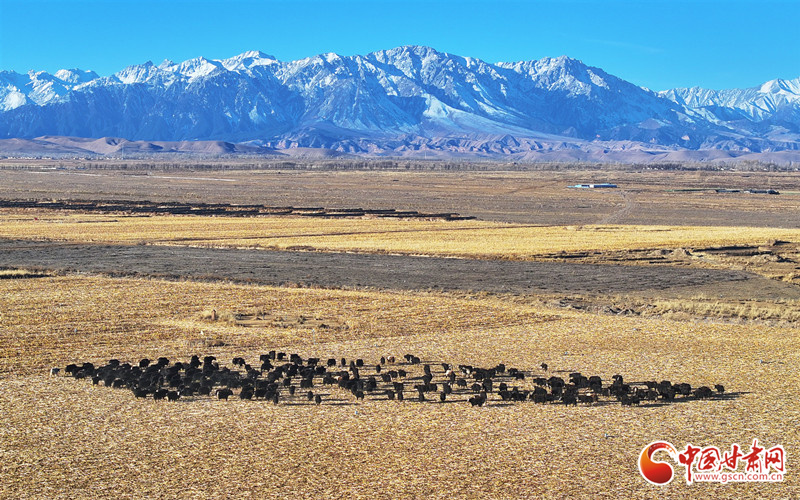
pixel 470 238
pixel 64 438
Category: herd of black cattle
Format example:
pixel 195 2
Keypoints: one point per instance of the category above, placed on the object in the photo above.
pixel 279 377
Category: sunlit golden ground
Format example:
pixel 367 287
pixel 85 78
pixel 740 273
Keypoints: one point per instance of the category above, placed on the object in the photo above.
pixel 61 437
pixel 470 238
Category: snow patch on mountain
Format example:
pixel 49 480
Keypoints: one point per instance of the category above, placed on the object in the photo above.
pixel 75 76
pixel 405 97
pixel 756 103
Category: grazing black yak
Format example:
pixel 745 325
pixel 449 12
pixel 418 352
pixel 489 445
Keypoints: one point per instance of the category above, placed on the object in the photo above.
pixel 478 400
pixel 703 392
pixel 179 380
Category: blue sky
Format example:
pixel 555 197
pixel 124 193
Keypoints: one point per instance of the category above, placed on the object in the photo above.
pixel 653 43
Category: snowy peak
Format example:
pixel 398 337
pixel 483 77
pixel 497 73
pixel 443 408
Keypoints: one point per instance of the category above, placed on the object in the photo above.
pixel 140 73
pixel 566 74
pixel 405 96
pixel 166 72
pixel 248 60
pixel 39 87
pixel 76 76
pixel 408 52
pixel 415 61
pixel 198 67
pixel 784 87
pixel 192 69
pixel 756 104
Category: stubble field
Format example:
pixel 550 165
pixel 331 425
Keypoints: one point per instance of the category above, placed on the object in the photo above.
pixel 469 239
pixel 62 437
pixel 67 438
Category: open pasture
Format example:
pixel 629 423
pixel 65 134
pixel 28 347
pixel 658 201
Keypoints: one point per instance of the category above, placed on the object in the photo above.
pixel 62 438
pixel 471 239
pixel 537 196
pixel 683 255
pixel 730 271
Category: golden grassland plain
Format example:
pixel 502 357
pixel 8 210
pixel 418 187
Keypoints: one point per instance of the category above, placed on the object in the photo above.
pixel 646 196
pixel 61 437
pixel 469 238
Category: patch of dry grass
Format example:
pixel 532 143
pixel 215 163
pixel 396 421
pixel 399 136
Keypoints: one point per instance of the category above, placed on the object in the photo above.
pixel 54 320
pixel 788 311
pixel 689 308
pixel 65 438
pixel 12 274
pixel 425 237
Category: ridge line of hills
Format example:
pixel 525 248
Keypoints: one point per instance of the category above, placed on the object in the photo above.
pixel 409 101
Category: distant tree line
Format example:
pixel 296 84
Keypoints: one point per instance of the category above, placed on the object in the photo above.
pixel 340 164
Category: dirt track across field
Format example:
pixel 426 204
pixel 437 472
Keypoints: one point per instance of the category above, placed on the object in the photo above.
pixel 375 271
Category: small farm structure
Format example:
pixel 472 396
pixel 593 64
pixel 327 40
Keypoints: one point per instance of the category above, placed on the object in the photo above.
pixel 593 186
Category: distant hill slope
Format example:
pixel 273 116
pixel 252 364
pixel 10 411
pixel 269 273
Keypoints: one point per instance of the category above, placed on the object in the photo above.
pixel 405 101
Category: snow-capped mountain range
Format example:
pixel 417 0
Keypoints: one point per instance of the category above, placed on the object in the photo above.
pixel 408 98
